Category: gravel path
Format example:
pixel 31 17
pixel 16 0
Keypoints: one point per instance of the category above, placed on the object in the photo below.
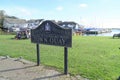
pixel 20 69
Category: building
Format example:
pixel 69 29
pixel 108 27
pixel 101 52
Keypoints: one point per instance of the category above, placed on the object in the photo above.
pixel 14 24
pixel 76 28
pixel 72 25
pixel 33 23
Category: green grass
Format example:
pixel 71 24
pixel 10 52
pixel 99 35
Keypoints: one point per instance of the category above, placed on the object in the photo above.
pixel 93 57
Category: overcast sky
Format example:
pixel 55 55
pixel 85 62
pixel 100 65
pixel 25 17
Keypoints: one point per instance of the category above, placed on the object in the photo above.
pixel 96 13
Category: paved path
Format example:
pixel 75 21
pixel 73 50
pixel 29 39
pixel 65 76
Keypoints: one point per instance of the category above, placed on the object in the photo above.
pixel 20 69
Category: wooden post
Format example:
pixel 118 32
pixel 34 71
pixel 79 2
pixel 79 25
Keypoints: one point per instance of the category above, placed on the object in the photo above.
pixel 38 54
pixel 65 60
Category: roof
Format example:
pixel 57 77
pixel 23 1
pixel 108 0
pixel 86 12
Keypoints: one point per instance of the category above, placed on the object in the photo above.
pixel 34 20
pixel 66 23
pixel 15 21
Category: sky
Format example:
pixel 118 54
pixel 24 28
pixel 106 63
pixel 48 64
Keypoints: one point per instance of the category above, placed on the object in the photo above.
pixel 90 13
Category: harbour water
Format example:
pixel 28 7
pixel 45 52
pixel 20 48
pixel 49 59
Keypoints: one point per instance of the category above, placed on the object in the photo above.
pixel 113 31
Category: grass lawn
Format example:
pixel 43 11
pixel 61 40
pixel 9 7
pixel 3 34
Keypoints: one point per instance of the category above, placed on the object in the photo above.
pixel 93 57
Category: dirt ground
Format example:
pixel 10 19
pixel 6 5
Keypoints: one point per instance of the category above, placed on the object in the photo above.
pixel 20 69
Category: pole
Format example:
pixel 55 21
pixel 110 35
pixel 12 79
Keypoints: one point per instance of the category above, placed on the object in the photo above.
pixel 38 55
pixel 65 60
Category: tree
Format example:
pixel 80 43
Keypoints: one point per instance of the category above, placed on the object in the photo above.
pixel 2 16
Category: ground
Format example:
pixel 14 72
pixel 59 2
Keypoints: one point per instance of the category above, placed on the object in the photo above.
pixel 20 69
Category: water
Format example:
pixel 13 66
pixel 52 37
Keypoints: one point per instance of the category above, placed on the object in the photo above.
pixel 114 31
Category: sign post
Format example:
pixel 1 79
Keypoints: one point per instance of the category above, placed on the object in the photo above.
pixel 50 33
pixel 65 60
pixel 38 54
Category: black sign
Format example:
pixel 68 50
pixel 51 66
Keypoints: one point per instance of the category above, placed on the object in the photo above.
pixel 51 34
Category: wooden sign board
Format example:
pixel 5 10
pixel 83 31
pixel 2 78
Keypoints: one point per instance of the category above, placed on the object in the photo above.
pixel 51 34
